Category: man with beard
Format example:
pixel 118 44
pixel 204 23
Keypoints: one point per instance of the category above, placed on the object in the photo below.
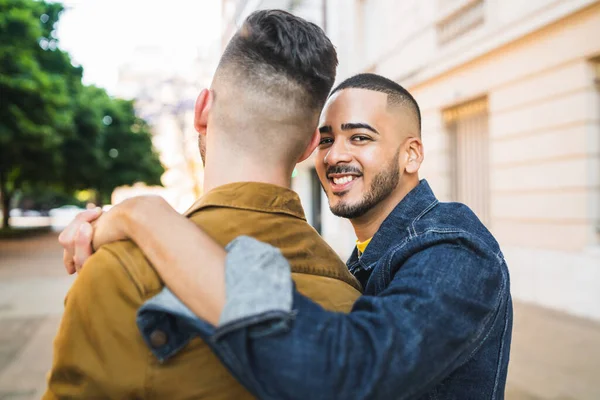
pixel 255 123
pixel 435 319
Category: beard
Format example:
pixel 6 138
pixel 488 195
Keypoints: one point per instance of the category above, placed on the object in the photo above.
pixel 383 184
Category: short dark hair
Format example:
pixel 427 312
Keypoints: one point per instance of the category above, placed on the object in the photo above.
pixel 397 95
pixel 277 42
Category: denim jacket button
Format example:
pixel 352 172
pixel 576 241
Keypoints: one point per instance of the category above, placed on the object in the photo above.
pixel 158 338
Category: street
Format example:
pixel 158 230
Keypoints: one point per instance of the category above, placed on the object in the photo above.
pixel 554 355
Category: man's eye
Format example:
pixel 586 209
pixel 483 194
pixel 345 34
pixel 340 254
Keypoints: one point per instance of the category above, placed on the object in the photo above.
pixel 360 138
pixel 325 141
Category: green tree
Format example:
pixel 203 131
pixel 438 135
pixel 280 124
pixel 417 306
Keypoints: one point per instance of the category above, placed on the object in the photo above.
pixel 127 145
pixel 111 146
pixel 84 158
pixel 35 111
pixel 55 133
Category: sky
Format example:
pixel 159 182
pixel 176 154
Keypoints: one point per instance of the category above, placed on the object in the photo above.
pixel 102 35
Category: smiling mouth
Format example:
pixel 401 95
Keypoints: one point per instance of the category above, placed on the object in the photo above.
pixel 341 182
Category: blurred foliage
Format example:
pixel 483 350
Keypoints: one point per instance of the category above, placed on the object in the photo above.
pixel 55 132
pixel 44 199
pixel 112 146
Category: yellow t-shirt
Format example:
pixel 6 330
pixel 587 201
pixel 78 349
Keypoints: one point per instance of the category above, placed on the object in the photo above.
pixel 362 246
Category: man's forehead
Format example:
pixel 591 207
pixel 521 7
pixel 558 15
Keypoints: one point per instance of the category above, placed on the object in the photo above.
pixel 358 95
pixel 354 103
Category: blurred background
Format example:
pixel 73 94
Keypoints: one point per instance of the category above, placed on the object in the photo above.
pixel 97 106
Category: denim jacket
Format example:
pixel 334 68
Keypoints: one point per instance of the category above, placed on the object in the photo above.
pixel 434 322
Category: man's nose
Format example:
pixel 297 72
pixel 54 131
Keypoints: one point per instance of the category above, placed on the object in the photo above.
pixel 338 153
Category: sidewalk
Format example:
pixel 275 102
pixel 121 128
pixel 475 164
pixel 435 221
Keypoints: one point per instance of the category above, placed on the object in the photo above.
pixel 32 287
pixel 554 356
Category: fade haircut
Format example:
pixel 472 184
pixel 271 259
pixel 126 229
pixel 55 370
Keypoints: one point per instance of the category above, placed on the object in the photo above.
pixel 397 95
pixel 277 70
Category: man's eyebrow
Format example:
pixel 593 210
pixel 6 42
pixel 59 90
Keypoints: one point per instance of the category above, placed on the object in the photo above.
pixel 325 129
pixel 358 125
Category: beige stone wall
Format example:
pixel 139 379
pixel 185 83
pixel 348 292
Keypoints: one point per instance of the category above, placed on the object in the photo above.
pixel 544 129
pixel 545 158
pixel 533 62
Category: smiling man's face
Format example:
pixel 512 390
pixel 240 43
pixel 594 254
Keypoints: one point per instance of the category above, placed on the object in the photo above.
pixel 359 159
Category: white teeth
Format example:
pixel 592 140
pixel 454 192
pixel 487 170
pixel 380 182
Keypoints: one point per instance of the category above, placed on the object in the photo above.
pixel 343 180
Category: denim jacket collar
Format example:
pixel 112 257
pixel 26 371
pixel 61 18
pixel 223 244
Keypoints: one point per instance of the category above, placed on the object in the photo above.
pixel 397 227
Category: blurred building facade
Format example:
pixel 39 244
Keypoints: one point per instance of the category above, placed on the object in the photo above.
pixel 510 98
pixel 165 98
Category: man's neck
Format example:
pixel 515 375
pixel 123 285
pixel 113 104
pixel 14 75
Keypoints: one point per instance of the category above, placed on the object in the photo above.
pixel 222 171
pixel 367 225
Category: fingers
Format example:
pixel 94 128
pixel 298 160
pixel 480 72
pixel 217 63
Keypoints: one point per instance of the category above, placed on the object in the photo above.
pixel 66 240
pixel 89 215
pixel 67 237
pixel 68 262
pixel 83 245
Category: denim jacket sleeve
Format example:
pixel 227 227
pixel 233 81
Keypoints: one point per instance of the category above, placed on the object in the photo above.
pixel 425 323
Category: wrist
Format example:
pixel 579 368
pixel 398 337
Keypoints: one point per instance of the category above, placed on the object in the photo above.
pixel 135 213
pixel 123 218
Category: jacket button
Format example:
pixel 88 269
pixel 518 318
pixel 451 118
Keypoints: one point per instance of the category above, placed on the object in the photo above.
pixel 158 338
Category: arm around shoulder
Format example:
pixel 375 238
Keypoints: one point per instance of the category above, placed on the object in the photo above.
pixel 437 308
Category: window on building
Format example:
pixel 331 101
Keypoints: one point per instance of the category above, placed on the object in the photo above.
pixel 457 17
pixel 316 199
pixel 467 125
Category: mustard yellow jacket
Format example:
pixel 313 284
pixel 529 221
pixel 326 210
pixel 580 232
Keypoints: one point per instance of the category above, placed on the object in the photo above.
pixel 99 352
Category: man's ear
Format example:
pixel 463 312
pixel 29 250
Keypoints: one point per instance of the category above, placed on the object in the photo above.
pixel 415 155
pixel 201 110
pixel 314 142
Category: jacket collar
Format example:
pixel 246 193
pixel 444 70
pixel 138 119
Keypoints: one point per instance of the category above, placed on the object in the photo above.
pixel 256 196
pixel 398 226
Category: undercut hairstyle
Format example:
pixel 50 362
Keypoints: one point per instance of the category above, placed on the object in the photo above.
pixel 397 95
pixel 276 72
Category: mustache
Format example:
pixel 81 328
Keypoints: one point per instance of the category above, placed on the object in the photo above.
pixel 343 169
